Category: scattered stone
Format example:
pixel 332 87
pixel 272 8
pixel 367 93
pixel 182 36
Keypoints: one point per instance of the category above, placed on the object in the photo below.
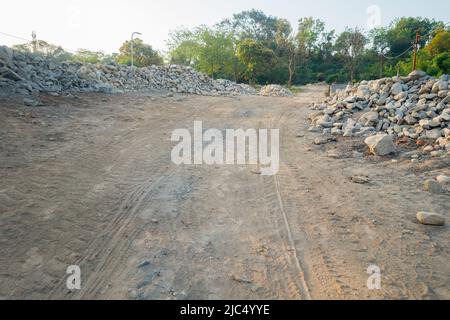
pixel 437 154
pixel 31 102
pixel 241 279
pixel 143 264
pixel 380 145
pixel 324 140
pixel 432 219
pixel 432 186
pixel 443 180
pixel 360 179
pixel 357 154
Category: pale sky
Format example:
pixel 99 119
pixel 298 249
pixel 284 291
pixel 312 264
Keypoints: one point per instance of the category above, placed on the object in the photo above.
pixel 105 24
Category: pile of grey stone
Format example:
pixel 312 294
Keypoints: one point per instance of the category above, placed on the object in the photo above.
pixel 28 74
pixel 416 106
pixel 275 90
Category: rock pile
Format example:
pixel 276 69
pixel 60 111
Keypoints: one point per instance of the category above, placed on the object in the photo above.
pixel 28 74
pixel 274 90
pixel 416 107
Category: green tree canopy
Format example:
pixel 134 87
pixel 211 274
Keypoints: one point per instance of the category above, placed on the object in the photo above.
pixel 257 58
pixel 143 54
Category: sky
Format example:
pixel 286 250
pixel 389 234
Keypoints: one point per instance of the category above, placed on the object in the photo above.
pixel 103 25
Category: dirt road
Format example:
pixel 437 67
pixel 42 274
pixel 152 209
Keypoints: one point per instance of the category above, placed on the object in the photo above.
pixel 89 182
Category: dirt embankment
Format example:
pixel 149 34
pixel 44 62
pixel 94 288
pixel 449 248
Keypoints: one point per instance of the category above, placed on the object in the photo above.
pixel 89 182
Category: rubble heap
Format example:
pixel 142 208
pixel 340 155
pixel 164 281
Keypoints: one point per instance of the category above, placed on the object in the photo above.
pixel 27 74
pixel 274 90
pixel 416 107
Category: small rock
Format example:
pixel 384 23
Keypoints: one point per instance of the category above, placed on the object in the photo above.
pixel 144 264
pixel 443 180
pixel 432 186
pixel 437 154
pixel 323 140
pixel 359 179
pixel 32 102
pixel 381 144
pixel 432 219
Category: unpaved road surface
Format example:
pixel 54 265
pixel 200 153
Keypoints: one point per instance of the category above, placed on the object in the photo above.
pixel 89 182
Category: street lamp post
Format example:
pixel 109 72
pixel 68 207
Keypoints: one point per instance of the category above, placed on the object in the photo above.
pixel 132 48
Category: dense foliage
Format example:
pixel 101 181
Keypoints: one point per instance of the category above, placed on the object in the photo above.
pixel 257 48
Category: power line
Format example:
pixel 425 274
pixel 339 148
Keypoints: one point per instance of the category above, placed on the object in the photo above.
pixel 429 34
pixel 401 54
pixel 31 41
pixel 13 36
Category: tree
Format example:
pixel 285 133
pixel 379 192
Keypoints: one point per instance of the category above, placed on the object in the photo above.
pixel 208 50
pixel 252 24
pixel 402 33
pixel 183 47
pixel 380 42
pixel 87 56
pixel 442 62
pixel 309 31
pixel 287 43
pixel 315 50
pixel 43 48
pixel 256 57
pixel 350 45
pixel 216 53
pixel 440 43
pixel 143 54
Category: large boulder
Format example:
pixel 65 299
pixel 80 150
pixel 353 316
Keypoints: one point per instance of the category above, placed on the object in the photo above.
pixel 380 144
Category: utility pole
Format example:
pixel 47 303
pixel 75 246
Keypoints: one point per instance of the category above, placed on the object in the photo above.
pixel 416 47
pixel 132 48
pixel 33 42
